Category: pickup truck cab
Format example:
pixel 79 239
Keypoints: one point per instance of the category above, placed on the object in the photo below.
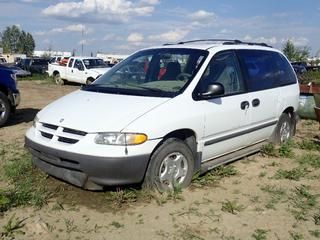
pixel 82 70
pixel 9 94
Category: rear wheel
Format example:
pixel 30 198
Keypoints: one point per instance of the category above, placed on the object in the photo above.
pixel 170 165
pixel 89 81
pixel 58 79
pixel 5 108
pixel 285 129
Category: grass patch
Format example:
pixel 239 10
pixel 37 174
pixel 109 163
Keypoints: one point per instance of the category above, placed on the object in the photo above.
pixel 231 207
pixel 12 227
pixel 310 159
pixel 296 236
pixel 316 218
pixel 310 145
pixel 260 234
pixel 268 150
pixel 286 149
pixel 293 174
pixel 37 77
pixel 303 201
pixel 276 195
pixel 315 233
pixel 27 185
pixel 214 175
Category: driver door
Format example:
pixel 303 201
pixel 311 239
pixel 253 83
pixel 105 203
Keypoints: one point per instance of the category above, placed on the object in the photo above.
pixel 78 73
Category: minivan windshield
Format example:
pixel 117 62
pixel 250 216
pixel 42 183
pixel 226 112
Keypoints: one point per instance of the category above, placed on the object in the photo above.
pixel 163 72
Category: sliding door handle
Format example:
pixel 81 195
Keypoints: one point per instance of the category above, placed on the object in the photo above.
pixel 244 105
pixel 255 102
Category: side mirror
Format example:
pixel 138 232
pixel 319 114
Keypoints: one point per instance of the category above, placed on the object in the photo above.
pixel 213 90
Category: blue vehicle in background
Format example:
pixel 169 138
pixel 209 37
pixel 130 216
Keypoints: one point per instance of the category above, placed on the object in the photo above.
pixel 9 94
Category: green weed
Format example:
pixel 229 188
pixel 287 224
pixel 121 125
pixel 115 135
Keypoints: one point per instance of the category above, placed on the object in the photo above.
pixel 286 149
pixel 276 195
pixel 310 145
pixel 310 159
pixel 293 174
pixel 268 150
pixel 296 236
pixel 116 224
pixel 316 218
pixel 303 201
pixel 231 207
pixel 12 227
pixel 315 233
pixel 260 234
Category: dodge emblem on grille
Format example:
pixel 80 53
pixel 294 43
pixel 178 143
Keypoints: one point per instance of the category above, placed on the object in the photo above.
pixel 61 120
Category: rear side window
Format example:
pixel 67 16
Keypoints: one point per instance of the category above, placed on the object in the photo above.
pixel 260 69
pixel 285 73
pixel 70 62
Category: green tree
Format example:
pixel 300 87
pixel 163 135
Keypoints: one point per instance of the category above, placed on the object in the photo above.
pixel 294 53
pixel 16 41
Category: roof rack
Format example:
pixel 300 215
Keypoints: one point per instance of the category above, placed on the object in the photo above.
pixel 225 42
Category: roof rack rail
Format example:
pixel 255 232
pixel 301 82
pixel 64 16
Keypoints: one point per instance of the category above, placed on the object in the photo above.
pixel 225 42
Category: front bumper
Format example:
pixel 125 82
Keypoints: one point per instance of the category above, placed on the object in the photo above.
pixel 88 172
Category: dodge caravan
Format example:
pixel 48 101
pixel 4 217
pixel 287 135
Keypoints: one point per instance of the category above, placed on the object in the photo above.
pixel 167 113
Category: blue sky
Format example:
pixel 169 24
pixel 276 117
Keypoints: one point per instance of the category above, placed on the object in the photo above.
pixel 123 26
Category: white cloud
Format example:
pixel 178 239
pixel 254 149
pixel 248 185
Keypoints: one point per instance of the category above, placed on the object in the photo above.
pixel 202 15
pixel 112 37
pixel 270 41
pixel 298 41
pixel 280 14
pixel 135 37
pixel 86 41
pixel 150 2
pixel 71 28
pixel 171 36
pixel 110 11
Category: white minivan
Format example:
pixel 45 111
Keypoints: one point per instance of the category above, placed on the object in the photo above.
pixel 167 113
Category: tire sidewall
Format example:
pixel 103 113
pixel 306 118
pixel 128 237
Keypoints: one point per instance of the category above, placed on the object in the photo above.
pixel 7 106
pixel 58 79
pixel 169 146
pixel 283 118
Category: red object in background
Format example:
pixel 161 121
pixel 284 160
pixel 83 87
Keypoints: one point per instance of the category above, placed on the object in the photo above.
pixel 162 71
pixel 64 61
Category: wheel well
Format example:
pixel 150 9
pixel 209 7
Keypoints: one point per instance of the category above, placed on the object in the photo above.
pixel 186 135
pixel 4 90
pixel 289 111
pixel 55 73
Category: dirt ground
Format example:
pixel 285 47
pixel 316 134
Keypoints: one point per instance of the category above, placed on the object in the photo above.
pixel 243 206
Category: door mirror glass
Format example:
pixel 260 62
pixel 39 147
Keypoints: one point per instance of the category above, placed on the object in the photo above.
pixel 213 90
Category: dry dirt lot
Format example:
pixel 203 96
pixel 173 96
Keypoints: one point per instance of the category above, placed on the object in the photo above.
pixel 275 195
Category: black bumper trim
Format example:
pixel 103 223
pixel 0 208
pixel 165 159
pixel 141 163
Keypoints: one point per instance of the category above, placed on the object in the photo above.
pixel 103 171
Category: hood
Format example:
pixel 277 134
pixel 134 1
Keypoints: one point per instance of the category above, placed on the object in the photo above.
pixel 100 71
pixel 97 112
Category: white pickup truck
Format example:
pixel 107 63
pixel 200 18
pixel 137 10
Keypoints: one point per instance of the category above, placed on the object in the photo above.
pixel 82 70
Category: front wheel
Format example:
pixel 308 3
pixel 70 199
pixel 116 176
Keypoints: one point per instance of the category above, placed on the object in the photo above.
pixel 171 165
pixel 5 109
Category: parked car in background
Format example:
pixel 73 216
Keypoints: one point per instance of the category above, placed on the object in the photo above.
pixel 9 93
pixel 33 65
pixel 215 102
pixel 3 60
pixel 55 59
pixel 299 69
pixel 82 70
pixel 19 71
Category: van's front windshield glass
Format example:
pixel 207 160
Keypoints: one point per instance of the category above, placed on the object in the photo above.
pixel 164 72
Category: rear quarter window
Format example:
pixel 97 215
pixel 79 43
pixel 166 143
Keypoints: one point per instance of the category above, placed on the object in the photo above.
pixel 285 73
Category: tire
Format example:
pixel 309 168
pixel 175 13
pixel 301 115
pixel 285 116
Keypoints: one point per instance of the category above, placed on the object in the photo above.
pixel 163 163
pixel 58 79
pixel 89 81
pixel 284 130
pixel 5 109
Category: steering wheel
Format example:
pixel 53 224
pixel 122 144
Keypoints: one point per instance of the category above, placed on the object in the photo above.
pixel 183 77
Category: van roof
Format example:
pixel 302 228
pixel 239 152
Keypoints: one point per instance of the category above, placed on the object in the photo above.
pixel 206 44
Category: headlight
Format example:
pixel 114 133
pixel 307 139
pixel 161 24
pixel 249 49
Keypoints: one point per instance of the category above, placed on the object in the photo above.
pixel 35 122
pixel 121 139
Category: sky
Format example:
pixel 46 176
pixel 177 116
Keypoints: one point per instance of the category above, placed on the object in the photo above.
pixel 124 26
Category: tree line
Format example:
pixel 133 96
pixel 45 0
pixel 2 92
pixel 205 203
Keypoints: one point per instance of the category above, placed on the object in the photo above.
pixel 14 40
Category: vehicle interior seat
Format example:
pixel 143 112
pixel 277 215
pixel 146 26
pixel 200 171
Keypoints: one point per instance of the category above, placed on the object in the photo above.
pixel 173 69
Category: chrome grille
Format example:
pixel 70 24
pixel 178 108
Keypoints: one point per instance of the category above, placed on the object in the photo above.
pixel 60 134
